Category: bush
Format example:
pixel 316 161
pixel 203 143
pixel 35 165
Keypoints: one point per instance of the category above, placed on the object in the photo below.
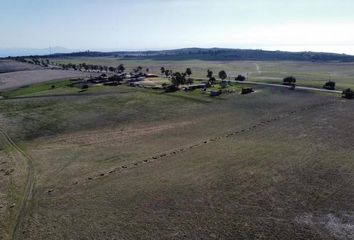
pixel 289 80
pixel 348 93
pixel 330 85
pixel 171 88
pixel 240 78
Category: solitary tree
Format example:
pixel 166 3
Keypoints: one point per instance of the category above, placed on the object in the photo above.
pixel 210 74
pixel 163 70
pixel 222 75
pixel 189 72
pixel 121 68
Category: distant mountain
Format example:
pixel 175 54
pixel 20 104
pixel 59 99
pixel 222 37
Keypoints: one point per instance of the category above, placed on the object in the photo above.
pixel 13 52
pixel 217 54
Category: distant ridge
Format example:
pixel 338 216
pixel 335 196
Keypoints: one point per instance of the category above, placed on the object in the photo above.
pixel 216 54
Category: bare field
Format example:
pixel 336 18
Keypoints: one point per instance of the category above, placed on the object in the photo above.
pixel 24 78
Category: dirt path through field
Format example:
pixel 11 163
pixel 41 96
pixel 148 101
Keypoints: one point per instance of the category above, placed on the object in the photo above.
pixel 28 193
pixel 236 132
pixel 258 69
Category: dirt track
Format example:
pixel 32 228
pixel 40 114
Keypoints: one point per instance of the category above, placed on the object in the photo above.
pixel 28 193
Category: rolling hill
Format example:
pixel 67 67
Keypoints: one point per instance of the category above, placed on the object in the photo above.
pixel 220 54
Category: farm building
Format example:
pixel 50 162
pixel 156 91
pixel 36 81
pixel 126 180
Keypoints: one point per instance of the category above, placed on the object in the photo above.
pixel 151 75
pixel 194 86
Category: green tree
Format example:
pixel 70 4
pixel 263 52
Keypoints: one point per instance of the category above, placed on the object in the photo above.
pixel 168 73
pixel 163 70
pixel 222 75
pixel 189 72
pixel 210 74
pixel 121 68
pixel 178 79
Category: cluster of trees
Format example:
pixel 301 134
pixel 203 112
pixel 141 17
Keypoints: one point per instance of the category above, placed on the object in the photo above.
pixel 33 60
pixel 165 71
pixel 20 59
pixel 92 67
pixel 140 70
pixel 178 78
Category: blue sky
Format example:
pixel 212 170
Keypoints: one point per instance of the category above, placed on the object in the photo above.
pixel 319 25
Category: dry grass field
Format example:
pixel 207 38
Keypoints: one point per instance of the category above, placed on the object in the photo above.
pixel 17 74
pixel 24 78
pixel 134 163
pixel 13 66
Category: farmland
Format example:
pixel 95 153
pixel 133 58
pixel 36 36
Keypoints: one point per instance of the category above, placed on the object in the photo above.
pixel 135 163
pixel 16 74
pixel 12 66
pixel 313 74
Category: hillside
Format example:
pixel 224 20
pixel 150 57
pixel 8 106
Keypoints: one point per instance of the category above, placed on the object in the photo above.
pixel 219 54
